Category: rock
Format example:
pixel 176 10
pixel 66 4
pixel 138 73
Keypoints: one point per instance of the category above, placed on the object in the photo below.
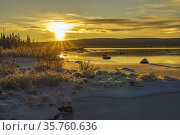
pixel 106 57
pixel 78 62
pixel 144 61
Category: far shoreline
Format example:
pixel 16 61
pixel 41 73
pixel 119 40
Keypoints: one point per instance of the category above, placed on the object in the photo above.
pixel 134 48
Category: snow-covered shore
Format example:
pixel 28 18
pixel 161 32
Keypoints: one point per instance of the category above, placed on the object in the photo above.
pixel 132 92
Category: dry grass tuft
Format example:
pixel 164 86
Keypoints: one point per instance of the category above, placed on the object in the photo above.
pixel 49 64
pixel 87 66
pixel 30 51
pixel 31 79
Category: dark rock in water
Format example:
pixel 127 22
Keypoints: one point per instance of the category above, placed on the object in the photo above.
pixel 106 57
pixel 78 62
pixel 144 61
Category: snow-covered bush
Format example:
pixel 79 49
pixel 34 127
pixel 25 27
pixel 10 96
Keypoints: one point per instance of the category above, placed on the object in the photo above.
pixel 46 100
pixel 77 74
pixel 67 104
pixel 148 77
pixel 100 72
pixel 47 79
pixel 58 94
pixel 110 79
pixel 87 74
pixel 30 79
pixel 133 75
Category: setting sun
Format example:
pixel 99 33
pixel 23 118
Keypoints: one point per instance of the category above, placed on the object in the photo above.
pixel 60 29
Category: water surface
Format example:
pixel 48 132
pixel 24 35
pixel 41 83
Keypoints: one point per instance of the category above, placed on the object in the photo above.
pixel 128 55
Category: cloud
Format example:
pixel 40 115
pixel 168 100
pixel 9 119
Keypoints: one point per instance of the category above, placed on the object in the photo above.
pixel 83 24
pixel 134 24
pixel 12 27
pixel 172 5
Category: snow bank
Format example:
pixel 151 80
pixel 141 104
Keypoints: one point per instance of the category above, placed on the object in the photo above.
pixel 44 95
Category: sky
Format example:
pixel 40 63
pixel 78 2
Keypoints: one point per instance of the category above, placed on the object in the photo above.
pixel 49 20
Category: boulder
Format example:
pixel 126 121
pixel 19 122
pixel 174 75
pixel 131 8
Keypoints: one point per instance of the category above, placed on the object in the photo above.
pixel 144 61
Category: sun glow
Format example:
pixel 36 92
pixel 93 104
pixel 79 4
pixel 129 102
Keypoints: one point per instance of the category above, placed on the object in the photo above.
pixel 60 29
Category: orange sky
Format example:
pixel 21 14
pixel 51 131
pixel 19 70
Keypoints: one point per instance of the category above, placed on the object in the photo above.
pixel 75 19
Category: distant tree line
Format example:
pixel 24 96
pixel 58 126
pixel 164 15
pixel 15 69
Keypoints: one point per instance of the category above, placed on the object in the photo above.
pixel 13 40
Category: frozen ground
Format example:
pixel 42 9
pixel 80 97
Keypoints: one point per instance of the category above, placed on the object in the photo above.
pixel 164 106
pixel 157 100
pixel 105 96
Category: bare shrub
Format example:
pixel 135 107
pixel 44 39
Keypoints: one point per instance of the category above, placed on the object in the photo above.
pixel 87 66
pixel 48 64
